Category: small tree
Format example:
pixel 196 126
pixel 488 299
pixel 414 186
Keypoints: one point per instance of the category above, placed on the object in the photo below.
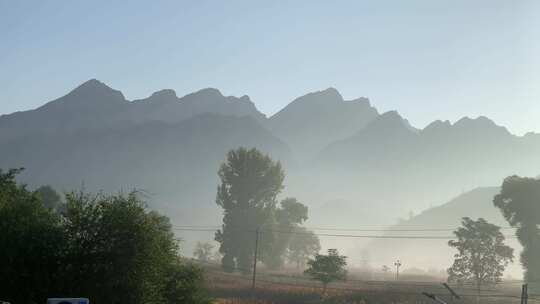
pixel 203 251
pixel 327 268
pixel 482 255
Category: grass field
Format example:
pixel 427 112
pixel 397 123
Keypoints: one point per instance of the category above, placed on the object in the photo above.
pixel 290 287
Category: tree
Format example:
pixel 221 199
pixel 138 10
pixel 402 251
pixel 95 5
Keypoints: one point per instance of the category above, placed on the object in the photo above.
pixel 519 202
pixel 109 248
pixel 482 255
pixel 250 182
pixel 287 219
pixel 184 284
pixel 203 251
pixel 327 268
pixel 303 245
pixel 49 197
pixel 31 243
pixel 118 251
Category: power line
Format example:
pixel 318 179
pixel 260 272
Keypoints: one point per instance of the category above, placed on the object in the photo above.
pixel 420 237
pixel 347 229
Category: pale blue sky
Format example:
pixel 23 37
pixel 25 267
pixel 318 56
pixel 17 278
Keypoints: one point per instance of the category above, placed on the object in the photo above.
pixel 428 59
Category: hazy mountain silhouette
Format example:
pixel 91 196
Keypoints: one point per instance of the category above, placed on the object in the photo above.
pixel 175 164
pixel 390 164
pixel 94 105
pixel 89 106
pixel 165 106
pixel 377 166
pixel 311 122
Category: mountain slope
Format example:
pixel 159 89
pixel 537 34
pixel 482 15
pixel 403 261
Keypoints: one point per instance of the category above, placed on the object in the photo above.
pixel 88 106
pixel 317 119
pixel 94 105
pixel 392 166
pixel 435 253
pixel 175 163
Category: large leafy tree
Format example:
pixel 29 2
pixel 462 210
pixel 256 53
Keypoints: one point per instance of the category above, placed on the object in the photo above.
pixel 327 268
pixel 118 251
pixel 482 255
pixel 519 202
pixel 250 183
pixel 31 242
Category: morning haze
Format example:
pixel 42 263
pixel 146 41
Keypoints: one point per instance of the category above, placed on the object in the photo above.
pixel 306 152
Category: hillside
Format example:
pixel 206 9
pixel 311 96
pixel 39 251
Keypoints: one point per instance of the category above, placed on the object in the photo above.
pixel 440 221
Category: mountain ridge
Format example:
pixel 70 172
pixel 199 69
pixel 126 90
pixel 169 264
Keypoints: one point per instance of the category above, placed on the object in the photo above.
pixel 335 150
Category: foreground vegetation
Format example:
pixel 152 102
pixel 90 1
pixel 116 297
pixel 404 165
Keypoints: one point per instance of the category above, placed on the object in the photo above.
pixel 109 248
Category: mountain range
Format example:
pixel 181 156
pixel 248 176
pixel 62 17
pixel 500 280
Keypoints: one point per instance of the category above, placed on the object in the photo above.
pixel 343 158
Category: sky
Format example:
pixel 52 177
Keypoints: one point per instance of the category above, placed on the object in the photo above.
pixel 426 59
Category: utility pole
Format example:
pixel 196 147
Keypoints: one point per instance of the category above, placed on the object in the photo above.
pixel 255 259
pixel 397 264
pixel 524 294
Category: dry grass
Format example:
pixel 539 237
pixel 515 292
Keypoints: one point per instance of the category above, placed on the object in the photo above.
pixel 236 289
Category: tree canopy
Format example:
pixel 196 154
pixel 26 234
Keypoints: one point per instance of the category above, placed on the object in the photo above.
pixel 109 248
pixel 250 184
pixel 327 268
pixel 519 202
pixel 482 255
pixel 31 243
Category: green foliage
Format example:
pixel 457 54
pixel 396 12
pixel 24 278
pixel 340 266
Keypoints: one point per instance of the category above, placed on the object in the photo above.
pixel 519 202
pixel 302 245
pixel 250 182
pixel 184 285
pixel 482 255
pixel 31 242
pixel 118 250
pixel 327 268
pixel 110 249
pixel 203 251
